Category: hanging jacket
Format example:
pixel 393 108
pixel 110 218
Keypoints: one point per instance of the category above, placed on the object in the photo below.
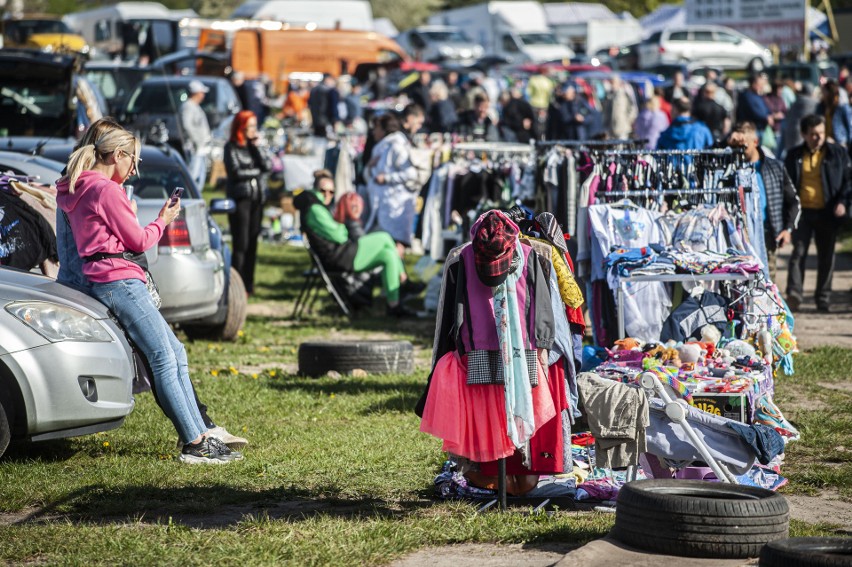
pixel 465 321
pixel 686 321
pixel 327 237
pixel 245 166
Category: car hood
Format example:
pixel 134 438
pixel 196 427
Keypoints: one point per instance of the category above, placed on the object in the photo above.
pixel 70 41
pixel 17 285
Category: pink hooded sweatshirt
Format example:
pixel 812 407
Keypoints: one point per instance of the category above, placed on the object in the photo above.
pixel 103 222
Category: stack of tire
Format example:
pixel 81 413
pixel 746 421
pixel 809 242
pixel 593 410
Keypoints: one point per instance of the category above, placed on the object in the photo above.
pixel 695 518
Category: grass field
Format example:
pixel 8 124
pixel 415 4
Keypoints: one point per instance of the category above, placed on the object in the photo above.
pixel 337 472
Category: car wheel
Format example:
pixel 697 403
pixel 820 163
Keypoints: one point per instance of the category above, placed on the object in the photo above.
pixel 807 552
pixel 756 65
pixel 5 431
pixel 696 518
pixel 234 320
pixel 375 357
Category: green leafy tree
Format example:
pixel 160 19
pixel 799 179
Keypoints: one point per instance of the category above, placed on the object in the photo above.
pixel 405 13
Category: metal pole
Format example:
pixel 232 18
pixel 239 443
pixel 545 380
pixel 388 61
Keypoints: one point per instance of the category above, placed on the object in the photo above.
pixel 501 483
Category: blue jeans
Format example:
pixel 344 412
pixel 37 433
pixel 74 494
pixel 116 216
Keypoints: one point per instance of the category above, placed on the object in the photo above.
pixel 131 303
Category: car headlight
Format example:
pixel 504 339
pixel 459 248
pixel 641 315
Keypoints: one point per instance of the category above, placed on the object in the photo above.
pixel 446 51
pixel 58 323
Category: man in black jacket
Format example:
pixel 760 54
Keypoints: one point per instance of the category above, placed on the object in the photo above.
pixel 478 125
pixel 778 198
pixel 322 103
pixel 707 110
pixel 822 174
pixel 566 116
pixel 519 116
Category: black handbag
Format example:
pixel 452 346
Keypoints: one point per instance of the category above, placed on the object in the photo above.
pixel 140 260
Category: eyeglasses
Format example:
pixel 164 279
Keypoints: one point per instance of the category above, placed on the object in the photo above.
pixel 327 191
pixel 133 157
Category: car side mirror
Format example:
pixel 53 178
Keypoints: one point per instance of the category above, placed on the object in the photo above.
pixel 222 206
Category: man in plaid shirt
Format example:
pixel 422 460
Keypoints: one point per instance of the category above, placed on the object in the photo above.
pixel 778 198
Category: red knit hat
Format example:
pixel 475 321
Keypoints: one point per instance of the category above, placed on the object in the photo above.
pixel 494 237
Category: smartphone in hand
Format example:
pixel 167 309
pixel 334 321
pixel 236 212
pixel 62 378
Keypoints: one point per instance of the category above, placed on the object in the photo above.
pixel 176 195
pixel 128 189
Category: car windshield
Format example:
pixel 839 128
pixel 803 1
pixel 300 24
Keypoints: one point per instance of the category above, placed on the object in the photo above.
pixel 33 109
pixel 457 36
pixel 166 98
pixel 115 83
pixel 540 38
pixel 158 181
pixel 23 29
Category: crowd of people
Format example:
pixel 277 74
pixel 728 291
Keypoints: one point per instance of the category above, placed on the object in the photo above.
pixel 796 135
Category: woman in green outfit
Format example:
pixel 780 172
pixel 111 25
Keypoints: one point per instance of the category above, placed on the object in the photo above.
pixel 337 252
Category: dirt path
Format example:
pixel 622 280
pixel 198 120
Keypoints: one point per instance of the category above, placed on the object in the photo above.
pixel 819 329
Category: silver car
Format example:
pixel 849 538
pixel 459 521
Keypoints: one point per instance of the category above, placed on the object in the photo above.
pixel 66 368
pixel 712 46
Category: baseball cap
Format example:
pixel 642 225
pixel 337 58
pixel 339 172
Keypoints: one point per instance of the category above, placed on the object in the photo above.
pixel 493 240
pixel 196 86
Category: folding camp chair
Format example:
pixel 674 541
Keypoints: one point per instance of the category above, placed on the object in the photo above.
pixel 311 286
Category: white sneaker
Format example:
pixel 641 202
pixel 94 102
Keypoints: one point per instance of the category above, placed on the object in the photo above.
pixel 220 433
pixel 232 441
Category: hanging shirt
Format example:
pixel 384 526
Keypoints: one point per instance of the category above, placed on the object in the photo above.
pixel 758 176
pixel 811 193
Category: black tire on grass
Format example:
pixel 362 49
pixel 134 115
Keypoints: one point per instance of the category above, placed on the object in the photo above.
pixel 5 430
pixel 695 518
pixel 375 357
pixel 807 552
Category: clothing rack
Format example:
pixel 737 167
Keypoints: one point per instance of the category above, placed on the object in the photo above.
pixel 662 153
pixel 692 191
pixel 497 148
pixel 590 144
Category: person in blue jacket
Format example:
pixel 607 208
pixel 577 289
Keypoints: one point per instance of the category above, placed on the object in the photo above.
pixel 752 107
pixel 837 114
pixel 685 133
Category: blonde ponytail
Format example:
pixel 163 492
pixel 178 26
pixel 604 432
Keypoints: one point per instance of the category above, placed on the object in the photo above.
pixel 109 140
pixel 80 161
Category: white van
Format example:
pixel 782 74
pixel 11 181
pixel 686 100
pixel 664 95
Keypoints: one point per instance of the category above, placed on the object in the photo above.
pixel 516 30
pixel 129 30
pixel 323 14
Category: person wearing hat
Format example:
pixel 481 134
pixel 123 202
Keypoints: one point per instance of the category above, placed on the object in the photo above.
pixel 195 130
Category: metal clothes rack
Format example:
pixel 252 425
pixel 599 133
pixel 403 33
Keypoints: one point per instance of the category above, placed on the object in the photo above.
pixel 589 144
pixel 708 152
pixel 501 148
pixel 667 278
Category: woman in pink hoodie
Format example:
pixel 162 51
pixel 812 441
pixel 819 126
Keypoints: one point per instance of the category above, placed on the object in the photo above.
pixel 103 221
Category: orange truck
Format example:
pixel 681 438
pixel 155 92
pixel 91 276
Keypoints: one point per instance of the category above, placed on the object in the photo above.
pixel 278 53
